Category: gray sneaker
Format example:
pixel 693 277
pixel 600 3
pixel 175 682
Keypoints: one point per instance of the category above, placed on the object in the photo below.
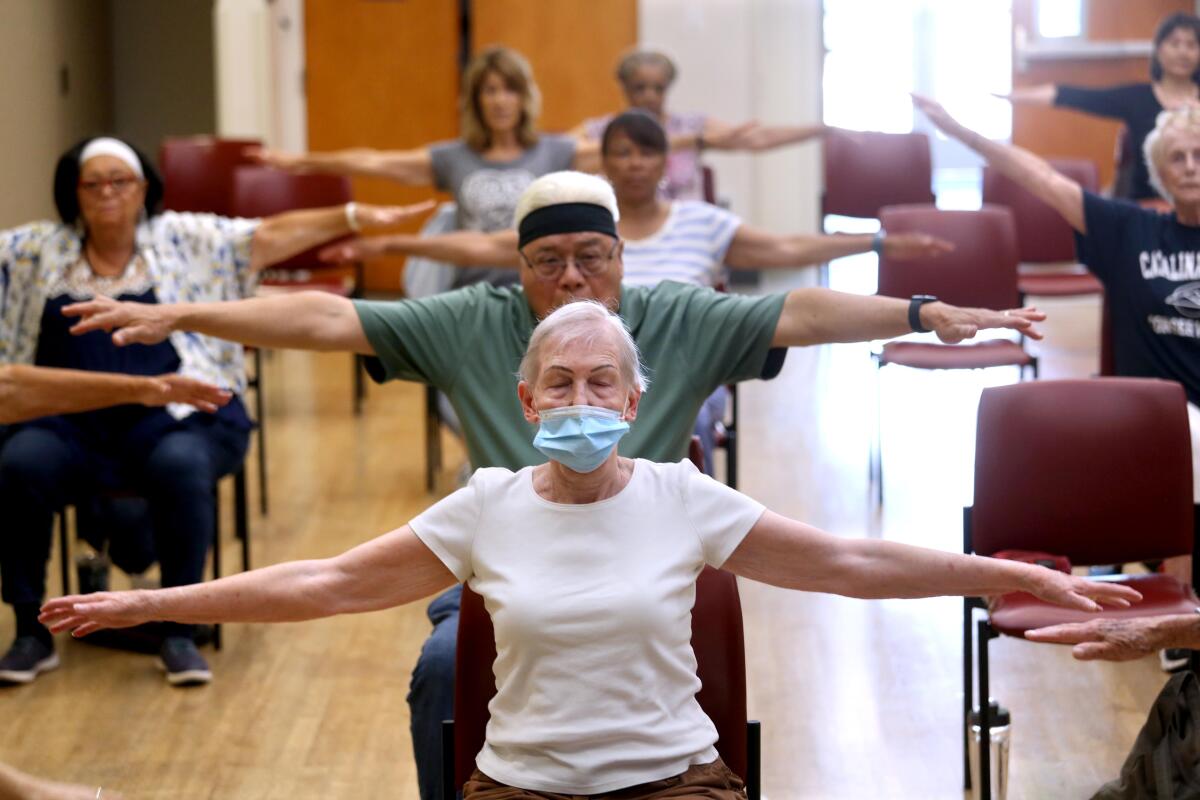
pixel 26 659
pixel 183 663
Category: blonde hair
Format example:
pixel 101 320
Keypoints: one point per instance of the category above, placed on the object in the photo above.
pixel 514 70
pixel 1152 148
pixel 584 320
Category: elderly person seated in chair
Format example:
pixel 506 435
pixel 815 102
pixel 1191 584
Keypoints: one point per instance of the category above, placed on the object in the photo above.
pixel 587 565
pixel 113 242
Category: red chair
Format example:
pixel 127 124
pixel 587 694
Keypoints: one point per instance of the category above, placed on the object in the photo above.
pixel 262 192
pixel 198 172
pixel 980 273
pixel 717 640
pixel 1043 236
pixel 865 171
pixel 1109 482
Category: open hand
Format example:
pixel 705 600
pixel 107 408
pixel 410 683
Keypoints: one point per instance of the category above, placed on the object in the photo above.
pixel 1079 593
pixel 1121 639
pixel 953 324
pixel 360 248
pixel 372 216
pixel 938 115
pixel 129 323
pixel 292 162
pixel 82 614
pixel 901 246
pixel 176 388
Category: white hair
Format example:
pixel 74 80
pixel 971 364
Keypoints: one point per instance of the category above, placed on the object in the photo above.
pixel 584 320
pixel 1183 117
pixel 556 188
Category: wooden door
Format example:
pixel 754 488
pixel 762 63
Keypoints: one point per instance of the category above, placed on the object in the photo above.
pixel 1055 132
pixel 382 74
pixel 572 45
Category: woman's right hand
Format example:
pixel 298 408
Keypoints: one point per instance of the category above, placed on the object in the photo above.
pixel 129 323
pixel 939 116
pixel 176 388
pixel 82 614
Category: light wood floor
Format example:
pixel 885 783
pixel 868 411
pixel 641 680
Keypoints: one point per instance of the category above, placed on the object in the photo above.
pixel 858 699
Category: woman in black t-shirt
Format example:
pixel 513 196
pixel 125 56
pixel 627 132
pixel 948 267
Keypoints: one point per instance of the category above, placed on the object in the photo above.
pixel 1174 82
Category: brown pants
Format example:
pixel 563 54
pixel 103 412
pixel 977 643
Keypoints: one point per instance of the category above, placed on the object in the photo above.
pixel 713 781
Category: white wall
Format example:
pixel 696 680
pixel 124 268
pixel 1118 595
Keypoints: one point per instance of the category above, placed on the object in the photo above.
pixel 242 34
pixel 749 60
pixel 37 39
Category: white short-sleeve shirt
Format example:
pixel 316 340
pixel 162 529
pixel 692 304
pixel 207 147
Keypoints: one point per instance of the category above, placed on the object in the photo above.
pixel 690 247
pixel 591 604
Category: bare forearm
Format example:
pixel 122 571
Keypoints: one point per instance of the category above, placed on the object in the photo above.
pixel 288 592
pixel 29 392
pixel 301 321
pixel 464 248
pixel 874 569
pixel 774 136
pixel 804 249
pixel 823 316
pixel 1042 95
pixel 284 235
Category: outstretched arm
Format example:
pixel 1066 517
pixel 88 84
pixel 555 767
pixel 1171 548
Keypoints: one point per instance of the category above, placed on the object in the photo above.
pixel 284 235
pixel 1123 639
pixel 1032 172
pixel 765 137
pixel 755 248
pixel 300 321
pixel 822 316
pixel 28 392
pixel 388 571
pixel 790 554
pixel 410 167
pixel 1042 95
pixel 464 248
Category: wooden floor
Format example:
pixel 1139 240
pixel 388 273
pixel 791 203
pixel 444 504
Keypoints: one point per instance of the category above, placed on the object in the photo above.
pixel 857 699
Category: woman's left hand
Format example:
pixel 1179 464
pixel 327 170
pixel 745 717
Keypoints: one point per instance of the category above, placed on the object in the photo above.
pixel 176 388
pixel 1078 593
pixel 82 614
pixel 901 246
pixel 373 216
pixel 953 324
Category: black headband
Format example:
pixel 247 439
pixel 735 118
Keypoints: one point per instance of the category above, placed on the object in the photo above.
pixel 566 218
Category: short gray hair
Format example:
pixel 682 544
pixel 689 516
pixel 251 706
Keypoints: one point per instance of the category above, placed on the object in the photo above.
pixel 584 320
pixel 1183 117
pixel 637 57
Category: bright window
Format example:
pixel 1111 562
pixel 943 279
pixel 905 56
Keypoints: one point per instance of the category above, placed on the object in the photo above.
pixel 1059 19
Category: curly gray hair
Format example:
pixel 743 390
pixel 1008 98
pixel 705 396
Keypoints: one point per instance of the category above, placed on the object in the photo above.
pixel 1152 148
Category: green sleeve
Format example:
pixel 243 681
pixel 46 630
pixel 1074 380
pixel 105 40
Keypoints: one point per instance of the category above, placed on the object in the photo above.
pixel 727 337
pixel 418 340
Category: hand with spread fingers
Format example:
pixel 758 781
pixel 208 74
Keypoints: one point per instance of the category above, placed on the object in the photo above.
pixel 176 388
pixel 954 325
pixel 1122 639
pixel 82 614
pixel 129 322
pixel 1080 593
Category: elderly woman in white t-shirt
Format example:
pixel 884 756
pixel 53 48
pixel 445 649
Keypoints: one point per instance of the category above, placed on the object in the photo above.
pixel 587 565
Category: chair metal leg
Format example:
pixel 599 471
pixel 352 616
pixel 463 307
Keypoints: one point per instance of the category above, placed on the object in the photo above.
pixel 360 386
pixel 433 439
pixel 216 554
pixel 753 760
pixel 241 515
pixel 731 441
pixel 985 633
pixel 260 418
pixel 968 688
pixel 64 549
pixel 449 791
pixel 875 467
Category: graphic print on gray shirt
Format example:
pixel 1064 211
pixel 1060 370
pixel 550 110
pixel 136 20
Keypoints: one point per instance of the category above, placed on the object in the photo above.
pixel 487 191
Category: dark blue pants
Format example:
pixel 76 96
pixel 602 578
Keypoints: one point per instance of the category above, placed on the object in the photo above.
pixel 431 693
pixel 44 468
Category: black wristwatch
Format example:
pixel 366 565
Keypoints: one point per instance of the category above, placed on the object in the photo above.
pixel 914 311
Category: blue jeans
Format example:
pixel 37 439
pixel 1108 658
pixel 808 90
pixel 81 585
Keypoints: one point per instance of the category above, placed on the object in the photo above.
pixel 431 692
pixel 42 469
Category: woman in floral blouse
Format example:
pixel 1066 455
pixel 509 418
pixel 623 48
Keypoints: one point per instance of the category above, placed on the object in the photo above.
pixel 111 241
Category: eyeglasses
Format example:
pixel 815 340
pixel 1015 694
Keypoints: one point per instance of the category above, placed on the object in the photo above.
pixel 120 184
pixel 589 263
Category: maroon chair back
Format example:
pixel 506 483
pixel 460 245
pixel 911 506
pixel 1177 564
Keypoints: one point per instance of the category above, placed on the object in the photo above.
pixel 1043 236
pixel 1097 470
pixel 865 171
pixel 980 273
pixel 263 191
pixel 197 172
pixel 716 639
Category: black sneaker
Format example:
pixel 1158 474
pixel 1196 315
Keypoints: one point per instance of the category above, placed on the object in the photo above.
pixel 26 659
pixel 1173 659
pixel 183 663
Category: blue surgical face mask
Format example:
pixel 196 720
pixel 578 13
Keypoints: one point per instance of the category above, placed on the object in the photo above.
pixel 580 438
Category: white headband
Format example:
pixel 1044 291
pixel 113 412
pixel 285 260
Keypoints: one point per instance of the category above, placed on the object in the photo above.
pixel 107 146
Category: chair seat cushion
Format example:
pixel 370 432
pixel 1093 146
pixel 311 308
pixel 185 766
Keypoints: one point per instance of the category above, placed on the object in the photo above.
pixel 925 355
pixel 1059 285
pixel 1013 614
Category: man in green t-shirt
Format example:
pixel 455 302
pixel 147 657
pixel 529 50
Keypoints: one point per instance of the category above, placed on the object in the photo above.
pixel 468 343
